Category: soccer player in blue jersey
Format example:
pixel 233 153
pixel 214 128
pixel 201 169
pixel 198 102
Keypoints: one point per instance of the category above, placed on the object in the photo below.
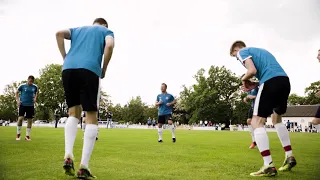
pixel 81 79
pixel 26 96
pixel 316 119
pixel 165 102
pixel 149 122
pixel 272 97
pixel 251 96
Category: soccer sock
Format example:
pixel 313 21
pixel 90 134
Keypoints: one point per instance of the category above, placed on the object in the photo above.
pixel 251 132
pixel 283 135
pixel 19 129
pixel 28 131
pixel 160 133
pixel 70 133
pixel 97 131
pixel 172 131
pixel 262 141
pixel 88 143
pixel 317 127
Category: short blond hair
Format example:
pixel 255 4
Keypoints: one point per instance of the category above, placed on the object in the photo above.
pixel 238 43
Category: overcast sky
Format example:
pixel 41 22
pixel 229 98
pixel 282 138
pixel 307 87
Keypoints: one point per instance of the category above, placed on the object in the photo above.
pixel 163 41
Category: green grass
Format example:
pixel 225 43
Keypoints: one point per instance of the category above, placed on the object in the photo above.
pixel 130 154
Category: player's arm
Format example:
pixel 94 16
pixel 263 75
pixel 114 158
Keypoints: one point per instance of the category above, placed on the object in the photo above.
pixel 36 95
pixel 108 50
pixel 251 69
pixel 18 94
pixel 158 102
pixel 60 37
pixel 174 101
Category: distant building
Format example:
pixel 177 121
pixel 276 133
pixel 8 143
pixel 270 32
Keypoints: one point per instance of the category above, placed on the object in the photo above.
pixel 298 115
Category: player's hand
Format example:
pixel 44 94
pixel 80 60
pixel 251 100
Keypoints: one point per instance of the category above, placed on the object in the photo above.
pixel 34 100
pixel 168 104
pixel 248 85
pixel 245 99
pixel 18 102
pixel 160 102
pixel 318 94
pixel 103 74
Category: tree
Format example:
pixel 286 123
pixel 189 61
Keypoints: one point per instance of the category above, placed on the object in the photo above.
pixel 105 104
pixel 241 110
pixel 117 112
pixel 311 91
pixel 134 111
pixel 212 98
pixel 8 103
pixel 51 93
pixel 294 99
pixel 150 111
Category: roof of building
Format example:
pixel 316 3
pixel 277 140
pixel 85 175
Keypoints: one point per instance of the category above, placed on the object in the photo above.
pixel 301 111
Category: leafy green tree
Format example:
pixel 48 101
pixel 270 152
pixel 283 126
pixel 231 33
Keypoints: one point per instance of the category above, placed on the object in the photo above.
pixel 51 93
pixel 105 104
pixel 294 99
pixel 213 97
pixel 117 112
pixel 150 111
pixel 8 103
pixel 311 93
pixel 134 111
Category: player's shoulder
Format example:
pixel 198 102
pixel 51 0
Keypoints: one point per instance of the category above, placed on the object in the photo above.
pixel 34 85
pixel 22 85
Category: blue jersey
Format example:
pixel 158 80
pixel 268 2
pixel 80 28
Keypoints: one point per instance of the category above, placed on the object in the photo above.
pixel 149 121
pixel 253 92
pixel 27 93
pixel 153 121
pixel 87 48
pixel 163 108
pixel 266 64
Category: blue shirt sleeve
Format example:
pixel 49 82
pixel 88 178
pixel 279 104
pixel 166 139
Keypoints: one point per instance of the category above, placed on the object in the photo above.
pixel 157 98
pixel 20 88
pixel 36 89
pixel 243 55
pixel 171 98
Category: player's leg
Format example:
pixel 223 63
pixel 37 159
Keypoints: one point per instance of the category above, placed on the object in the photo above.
pixel 316 120
pixel 72 95
pixel 20 121
pixel 29 117
pixel 171 127
pixel 253 142
pixel 161 122
pixel 262 109
pixel 282 85
pixel 90 96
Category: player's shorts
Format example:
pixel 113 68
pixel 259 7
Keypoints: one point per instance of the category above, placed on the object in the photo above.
pixel 317 115
pixel 272 97
pixel 26 111
pixel 149 124
pixel 81 87
pixel 250 113
pixel 162 119
pixel 153 124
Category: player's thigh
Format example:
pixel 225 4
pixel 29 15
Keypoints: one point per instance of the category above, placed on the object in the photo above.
pixel 283 89
pixel 168 118
pixel 29 112
pixel 264 102
pixel 161 119
pixel 89 90
pixel 21 111
pixel 70 78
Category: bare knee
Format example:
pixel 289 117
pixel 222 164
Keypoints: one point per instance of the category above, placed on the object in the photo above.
pixel 258 122
pixel 91 117
pixel 316 121
pixel 170 122
pixel 276 118
pixel 20 120
pixel 75 111
pixel 249 121
pixel 159 125
pixel 29 125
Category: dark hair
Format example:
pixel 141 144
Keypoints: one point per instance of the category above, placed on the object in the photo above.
pixel 31 77
pixel 100 21
pixel 164 84
pixel 237 44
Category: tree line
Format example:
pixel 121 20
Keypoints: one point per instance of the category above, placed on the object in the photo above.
pixel 215 97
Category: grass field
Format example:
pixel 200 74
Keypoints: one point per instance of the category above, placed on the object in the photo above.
pixel 135 154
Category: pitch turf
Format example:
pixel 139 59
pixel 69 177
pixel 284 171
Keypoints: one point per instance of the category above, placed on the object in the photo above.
pixel 136 154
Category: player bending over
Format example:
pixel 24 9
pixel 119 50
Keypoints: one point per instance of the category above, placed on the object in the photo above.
pixel 165 102
pixel 81 75
pixel 316 119
pixel 251 96
pixel 272 97
pixel 28 95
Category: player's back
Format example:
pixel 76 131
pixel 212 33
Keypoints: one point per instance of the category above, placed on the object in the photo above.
pixel 266 64
pixel 87 48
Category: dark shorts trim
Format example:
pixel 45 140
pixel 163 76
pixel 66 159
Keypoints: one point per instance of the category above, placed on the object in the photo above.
pixel 26 111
